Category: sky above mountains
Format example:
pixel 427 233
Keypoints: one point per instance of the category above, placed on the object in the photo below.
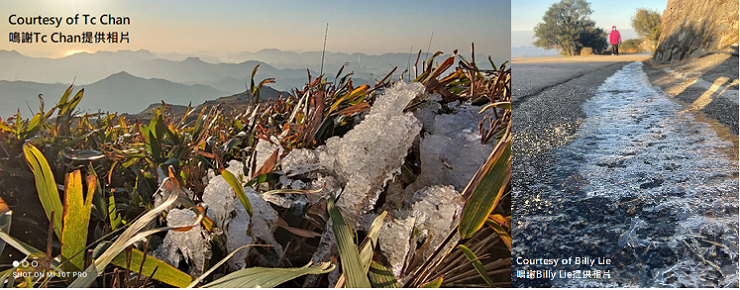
pixel 199 27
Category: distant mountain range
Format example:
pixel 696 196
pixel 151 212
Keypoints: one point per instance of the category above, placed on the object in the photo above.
pixel 129 81
pixel 119 92
pixel 86 68
pixel 358 62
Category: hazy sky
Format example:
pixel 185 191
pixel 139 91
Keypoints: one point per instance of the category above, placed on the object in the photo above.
pixel 372 27
pixel 605 13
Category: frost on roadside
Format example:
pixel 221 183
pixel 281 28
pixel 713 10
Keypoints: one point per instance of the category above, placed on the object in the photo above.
pixel 369 155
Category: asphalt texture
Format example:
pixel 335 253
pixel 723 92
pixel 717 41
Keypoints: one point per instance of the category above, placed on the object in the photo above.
pixel 546 106
pixel 548 100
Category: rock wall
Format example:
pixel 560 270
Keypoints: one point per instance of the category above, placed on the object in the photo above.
pixel 694 27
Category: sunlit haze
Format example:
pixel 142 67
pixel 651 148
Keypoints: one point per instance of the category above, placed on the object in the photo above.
pixel 188 27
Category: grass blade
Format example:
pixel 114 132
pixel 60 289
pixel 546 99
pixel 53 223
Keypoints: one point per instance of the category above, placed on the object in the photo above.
pixel 269 164
pixel 6 217
pixel 214 267
pixel 236 185
pixel 153 268
pixel 368 245
pixel 351 264
pixel 76 217
pixel 46 186
pixel 486 187
pixel 259 277
pixel 127 238
pixel 476 264
pixel 381 276
pixel 434 284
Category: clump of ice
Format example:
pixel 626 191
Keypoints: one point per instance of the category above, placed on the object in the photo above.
pixel 428 111
pixel 219 196
pixel 394 242
pixel 629 239
pixel 434 213
pixel 451 150
pixel 370 154
pixel 264 150
pixel 191 245
pixel 300 161
pixel 240 233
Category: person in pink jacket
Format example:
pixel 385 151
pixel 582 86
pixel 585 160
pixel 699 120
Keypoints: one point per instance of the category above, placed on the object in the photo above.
pixel 615 39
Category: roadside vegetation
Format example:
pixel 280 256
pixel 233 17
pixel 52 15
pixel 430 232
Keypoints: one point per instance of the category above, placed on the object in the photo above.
pixel 566 26
pixel 78 190
pixel 647 25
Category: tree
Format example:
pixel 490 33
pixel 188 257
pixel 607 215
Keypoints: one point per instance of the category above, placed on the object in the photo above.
pixel 595 38
pixel 567 27
pixel 646 23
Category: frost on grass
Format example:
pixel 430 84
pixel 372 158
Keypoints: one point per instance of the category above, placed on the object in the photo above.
pixel 433 215
pixel 394 241
pixel 327 248
pixel 300 161
pixel 369 155
pixel 264 150
pixel 191 245
pixel 240 233
pixel 219 196
pixel 451 149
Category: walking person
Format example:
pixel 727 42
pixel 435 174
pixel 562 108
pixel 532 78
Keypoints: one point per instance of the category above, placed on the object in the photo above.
pixel 615 39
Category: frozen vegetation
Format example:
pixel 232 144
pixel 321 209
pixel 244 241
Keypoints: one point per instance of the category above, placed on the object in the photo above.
pixel 354 169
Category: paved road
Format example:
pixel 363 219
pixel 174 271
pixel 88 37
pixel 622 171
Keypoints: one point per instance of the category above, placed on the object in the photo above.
pixel 606 166
pixel 547 94
pixel 532 75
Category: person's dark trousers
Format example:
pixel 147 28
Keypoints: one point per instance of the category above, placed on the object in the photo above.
pixel 615 49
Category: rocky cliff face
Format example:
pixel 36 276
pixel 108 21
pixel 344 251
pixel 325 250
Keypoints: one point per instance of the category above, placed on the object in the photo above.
pixel 694 27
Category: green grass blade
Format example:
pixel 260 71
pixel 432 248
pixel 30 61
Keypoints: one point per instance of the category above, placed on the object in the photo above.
pixel 6 276
pixel 368 246
pixel 21 246
pixel 502 233
pixel 26 249
pixel 351 264
pixel 264 177
pixel 486 188
pixel 164 272
pixel 128 237
pixel 46 186
pixel 5 221
pixel 258 277
pixel 236 185
pixel 381 276
pixel 214 267
pixel 114 216
pixel 434 284
pixel 476 264
pixel 76 218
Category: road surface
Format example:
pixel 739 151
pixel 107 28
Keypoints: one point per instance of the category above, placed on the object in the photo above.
pixel 609 168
